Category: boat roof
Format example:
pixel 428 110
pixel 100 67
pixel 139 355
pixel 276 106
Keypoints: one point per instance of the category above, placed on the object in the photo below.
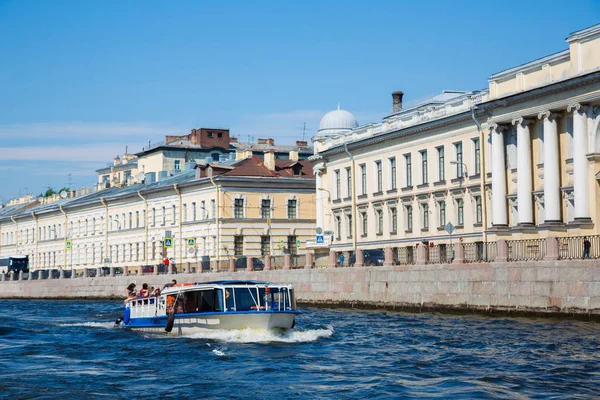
pixel 193 285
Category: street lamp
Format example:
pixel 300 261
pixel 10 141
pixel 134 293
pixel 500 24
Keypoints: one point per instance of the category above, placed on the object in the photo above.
pixel 464 167
pixel 328 192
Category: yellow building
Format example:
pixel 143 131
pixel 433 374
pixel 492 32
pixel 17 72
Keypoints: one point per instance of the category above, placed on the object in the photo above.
pixel 518 160
pixel 218 211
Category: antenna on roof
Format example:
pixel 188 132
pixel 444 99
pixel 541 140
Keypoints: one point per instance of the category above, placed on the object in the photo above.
pixel 69 186
pixel 125 149
pixel 338 105
pixel 63 194
pixel 303 131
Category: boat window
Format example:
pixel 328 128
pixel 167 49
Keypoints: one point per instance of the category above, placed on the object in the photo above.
pixel 245 298
pixel 229 302
pixel 203 301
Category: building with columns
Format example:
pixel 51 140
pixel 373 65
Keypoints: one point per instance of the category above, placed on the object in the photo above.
pixel 517 160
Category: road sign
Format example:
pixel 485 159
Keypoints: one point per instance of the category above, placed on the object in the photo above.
pixel 168 243
pixel 191 242
pixel 281 246
pixel 68 244
pixel 191 250
pixel 319 230
pixel 320 239
pixel 450 227
pixel 168 234
pixel 298 243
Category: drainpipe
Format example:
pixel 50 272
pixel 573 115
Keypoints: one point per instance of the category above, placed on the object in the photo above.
pixel 353 169
pixel 178 191
pixel 35 233
pixel 16 234
pixel 483 143
pixel 217 220
pixel 145 225
pixel 66 237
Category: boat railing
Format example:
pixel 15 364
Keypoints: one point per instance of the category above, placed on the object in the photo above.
pixel 143 307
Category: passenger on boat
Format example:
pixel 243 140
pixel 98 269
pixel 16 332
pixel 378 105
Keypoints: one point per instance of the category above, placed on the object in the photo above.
pixel 170 284
pixel 130 292
pixel 144 291
pixel 151 291
pixel 157 292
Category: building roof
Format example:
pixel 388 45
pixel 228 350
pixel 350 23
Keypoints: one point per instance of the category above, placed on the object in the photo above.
pixel 337 121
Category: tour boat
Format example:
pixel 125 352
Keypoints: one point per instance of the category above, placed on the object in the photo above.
pixel 191 307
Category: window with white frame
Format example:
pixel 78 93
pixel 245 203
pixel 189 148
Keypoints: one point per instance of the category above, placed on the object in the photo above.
pixel 458 151
pixel 478 210
pixel 173 215
pixel 409 218
pixel 238 245
pixel 338 184
pixel 177 165
pixel 213 208
pixel 203 209
pixel 350 226
pixel 378 177
pixel 425 208
pixel 476 144
pixel 153 217
pixel 338 226
pixel 184 212
pixel 130 220
pixel 265 208
pixel 393 176
pixel 379 214
pixel 394 219
pixel 137 219
pixel 194 211
pixel 348 182
pixel 441 168
pixel 363 179
pixel 365 223
pixel 164 215
pixel 407 170
pixel 424 169
pixel 442 213
pixel 460 212
pixel 238 207
pixel 292 208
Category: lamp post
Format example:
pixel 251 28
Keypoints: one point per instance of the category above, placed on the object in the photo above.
pixel 463 173
pixel 328 193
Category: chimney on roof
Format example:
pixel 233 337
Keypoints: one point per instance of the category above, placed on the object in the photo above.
pixel 262 141
pixel 243 154
pixel 271 142
pixel 269 160
pixel 397 101
pixel 301 143
pixel 294 155
pixel 233 140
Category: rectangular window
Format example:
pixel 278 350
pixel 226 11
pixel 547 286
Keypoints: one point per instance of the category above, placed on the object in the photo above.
pixel 365 223
pixel 238 208
pixel 363 179
pixel 408 165
pixel 379 172
pixel 460 211
pixel 130 220
pixel 265 208
pixel 477 151
pixel 203 209
pixel 292 245
pixel 144 222
pixel 213 208
pixel 238 245
pixel 173 215
pixel 338 184
pixel 380 222
pixel 348 182
pixel 393 184
pixel 292 209
pixel 164 215
pixel 177 165
pixel 154 217
pixel 459 160
pixel 441 167
pixel 350 227
pixel 424 174
pixel 137 219
pixel 394 215
pixel 425 216
pixel 265 248
pixel 409 218
pixel 193 210
pixel 338 226
pixel 442 216
pixel 478 210
pixel 184 212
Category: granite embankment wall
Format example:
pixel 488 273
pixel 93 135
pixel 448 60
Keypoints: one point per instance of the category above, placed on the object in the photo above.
pixel 555 287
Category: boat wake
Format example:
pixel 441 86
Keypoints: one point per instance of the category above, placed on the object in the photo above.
pixel 263 336
pixel 107 325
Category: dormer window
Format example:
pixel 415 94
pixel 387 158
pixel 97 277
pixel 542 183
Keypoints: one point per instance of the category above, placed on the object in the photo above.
pixel 209 134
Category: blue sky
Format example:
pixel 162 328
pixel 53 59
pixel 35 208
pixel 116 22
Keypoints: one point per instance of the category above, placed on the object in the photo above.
pixel 80 80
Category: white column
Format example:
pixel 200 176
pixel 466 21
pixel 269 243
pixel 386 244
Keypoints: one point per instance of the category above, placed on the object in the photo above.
pixel 552 205
pixel 580 162
pixel 499 213
pixel 320 204
pixel 524 171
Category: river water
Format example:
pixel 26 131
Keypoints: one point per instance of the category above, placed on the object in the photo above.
pixel 71 350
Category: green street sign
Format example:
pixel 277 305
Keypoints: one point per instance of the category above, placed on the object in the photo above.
pixel 68 245
pixel 281 246
pixel 191 242
pixel 298 243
